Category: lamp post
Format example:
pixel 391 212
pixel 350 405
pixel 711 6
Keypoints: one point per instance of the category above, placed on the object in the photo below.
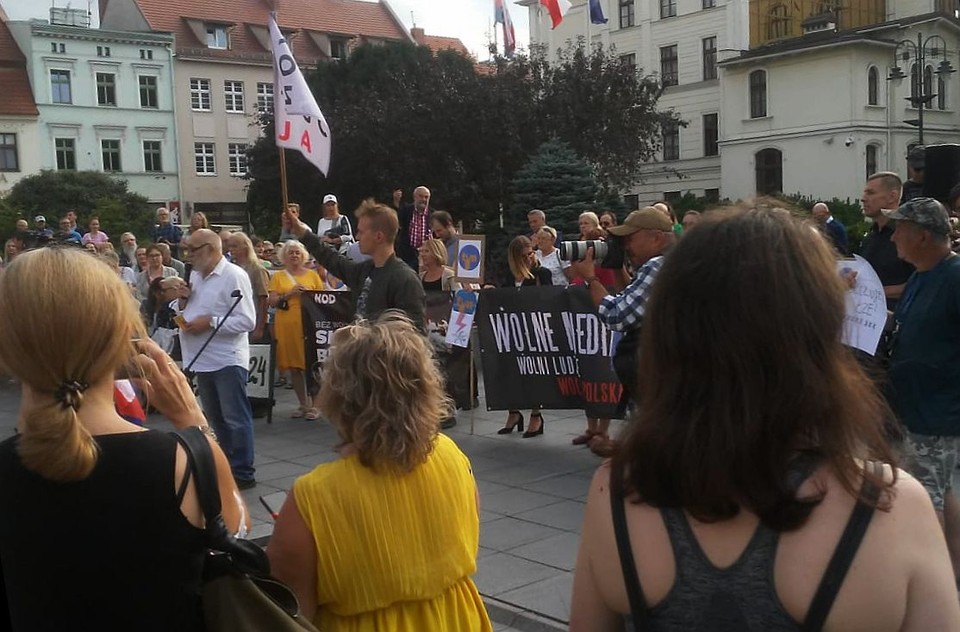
pixel 933 47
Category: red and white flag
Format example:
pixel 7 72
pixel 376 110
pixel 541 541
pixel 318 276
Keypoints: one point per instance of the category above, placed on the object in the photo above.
pixel 557 9
pixel 299 122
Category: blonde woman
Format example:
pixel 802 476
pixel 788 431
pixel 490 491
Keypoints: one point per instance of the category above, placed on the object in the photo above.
pixel 435 274
pixel 386 537
pixel 107 504
pixel 244 255
pixel 286 287
pixel 548 255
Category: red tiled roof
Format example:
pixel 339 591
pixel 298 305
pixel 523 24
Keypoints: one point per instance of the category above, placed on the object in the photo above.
pixel 14 83
pixel 349 18
pixel 437 43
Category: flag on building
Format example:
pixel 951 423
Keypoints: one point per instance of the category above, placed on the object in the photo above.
pixel 596 13
pixel 299 122
pixel 502 16
pixel 557 9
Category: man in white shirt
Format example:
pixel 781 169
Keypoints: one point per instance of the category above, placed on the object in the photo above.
pixel 222 367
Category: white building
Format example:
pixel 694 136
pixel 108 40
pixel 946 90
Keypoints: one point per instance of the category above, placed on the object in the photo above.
pixel 815 114
pixel 681 42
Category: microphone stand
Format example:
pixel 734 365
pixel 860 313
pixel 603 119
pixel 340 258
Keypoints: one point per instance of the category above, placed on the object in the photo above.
pixel 239 297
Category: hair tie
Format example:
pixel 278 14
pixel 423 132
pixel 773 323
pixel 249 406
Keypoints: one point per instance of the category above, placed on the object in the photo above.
pixel 69 393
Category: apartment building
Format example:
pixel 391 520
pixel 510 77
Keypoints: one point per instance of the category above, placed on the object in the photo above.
pixel 104 100
pixel 223 75
pixel 19 147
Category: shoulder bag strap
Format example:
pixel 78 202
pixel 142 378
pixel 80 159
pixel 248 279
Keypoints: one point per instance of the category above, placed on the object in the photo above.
pixel 638 604
pixel 843 555
pixel 200 460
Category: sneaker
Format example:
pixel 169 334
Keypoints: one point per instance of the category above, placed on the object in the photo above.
pixel 448 423
pixel 246 483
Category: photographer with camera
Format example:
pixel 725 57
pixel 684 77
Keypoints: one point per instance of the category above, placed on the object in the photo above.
pixel 646 235
pixel 333 228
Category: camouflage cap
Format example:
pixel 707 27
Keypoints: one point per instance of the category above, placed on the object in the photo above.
pixel 925 212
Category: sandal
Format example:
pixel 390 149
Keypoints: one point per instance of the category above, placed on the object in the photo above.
pixel 312 414
pixel 584 438
pixel 281 381
pixel 298 413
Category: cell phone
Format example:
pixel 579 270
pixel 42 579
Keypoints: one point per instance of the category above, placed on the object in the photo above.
pixel 180 321
pixel 273 502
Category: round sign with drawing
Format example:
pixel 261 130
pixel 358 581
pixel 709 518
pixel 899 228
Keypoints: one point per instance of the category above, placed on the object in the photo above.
pixel 469 264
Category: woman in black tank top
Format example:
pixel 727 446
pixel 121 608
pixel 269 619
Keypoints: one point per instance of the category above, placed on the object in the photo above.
pixel 96 530
pixel 705 518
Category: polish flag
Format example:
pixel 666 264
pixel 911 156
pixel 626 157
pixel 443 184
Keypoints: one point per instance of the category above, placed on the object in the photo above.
pixel 557 9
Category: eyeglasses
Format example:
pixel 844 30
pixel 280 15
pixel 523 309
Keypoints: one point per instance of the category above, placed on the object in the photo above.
pixel 193 249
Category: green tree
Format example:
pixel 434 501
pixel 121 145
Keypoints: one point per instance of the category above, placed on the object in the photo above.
pixel 89 193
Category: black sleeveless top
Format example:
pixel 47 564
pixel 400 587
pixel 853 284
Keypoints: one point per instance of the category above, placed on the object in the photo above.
pixel 111 552
pixel 741 597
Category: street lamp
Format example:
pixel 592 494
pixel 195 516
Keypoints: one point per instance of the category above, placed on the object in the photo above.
pixel 933 47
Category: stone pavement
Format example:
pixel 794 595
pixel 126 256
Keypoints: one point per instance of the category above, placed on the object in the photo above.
pixel 532 494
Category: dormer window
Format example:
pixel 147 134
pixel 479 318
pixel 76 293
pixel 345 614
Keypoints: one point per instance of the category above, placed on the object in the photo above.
pixel 338 48
pixel 216 36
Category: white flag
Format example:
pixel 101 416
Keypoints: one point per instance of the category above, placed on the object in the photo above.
pixel 299 122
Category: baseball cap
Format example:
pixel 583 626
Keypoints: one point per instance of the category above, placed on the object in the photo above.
pixel 329 197
pixel 645 218
pixel 917 158
pixel 923 211
pixel 39 218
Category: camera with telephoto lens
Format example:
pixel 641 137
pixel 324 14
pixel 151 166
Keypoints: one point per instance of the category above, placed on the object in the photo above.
pixel 609 253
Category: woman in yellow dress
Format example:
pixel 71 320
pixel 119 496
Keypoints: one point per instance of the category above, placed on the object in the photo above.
pixel 285 289
pixel 384 539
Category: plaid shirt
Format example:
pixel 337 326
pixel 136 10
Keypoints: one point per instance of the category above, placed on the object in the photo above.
pixel 625 311
pixel 419 230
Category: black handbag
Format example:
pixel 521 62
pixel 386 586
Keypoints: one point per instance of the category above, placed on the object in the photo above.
pixel 238 593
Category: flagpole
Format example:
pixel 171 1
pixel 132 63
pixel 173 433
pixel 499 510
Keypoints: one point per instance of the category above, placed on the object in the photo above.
pixel 283 176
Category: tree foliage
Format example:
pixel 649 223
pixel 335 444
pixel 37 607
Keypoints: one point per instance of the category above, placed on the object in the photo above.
pixel 89 193
pixel 402 116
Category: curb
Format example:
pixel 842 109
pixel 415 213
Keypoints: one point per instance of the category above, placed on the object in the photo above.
pixel 508 614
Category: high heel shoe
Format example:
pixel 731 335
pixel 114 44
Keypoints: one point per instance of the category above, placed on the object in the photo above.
pixel 538 431
pixel 518 424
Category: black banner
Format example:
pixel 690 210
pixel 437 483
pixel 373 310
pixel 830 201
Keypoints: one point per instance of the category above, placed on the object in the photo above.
pixel 323 313
pixel 546 346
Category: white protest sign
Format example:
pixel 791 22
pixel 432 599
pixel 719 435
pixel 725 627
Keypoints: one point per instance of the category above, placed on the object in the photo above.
pixel 461 318
pixel 469 263
pixel 866 310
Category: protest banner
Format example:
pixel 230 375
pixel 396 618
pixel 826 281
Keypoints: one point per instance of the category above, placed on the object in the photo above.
pixel 866 308
pixel 461 318
pixel 454 360
pixel 546 346
pixel 470 254
pixel 260 372
pixel 323 313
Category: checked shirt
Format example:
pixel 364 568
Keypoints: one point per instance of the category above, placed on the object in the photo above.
pixel 625 311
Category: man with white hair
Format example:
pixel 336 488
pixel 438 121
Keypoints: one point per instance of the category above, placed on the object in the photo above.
pixel 128 251
pixel 830 227
pixel 166 232
pixel 414 227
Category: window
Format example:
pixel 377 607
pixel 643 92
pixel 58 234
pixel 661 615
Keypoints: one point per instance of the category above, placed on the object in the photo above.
pixel 769 168
pixel 709 58
pixel 630 61
pixel 110 150
pixel 237 159
pixel 914 84
pixel 941 93
pixel 712 195
pixel 632 202
pixel 200 95
pixel 928 81
pixel 872 151
pixel 709 4
pixel 9 160
pixel 146 53
pixel 338 49
pixel 216 37
pixel 873 86
pixel 668 8
pixel 152 160
pixel 205 159
pixel 106 88
pixel 264 97
pixel 53 47
pixel 668 65
pixel 778 24
pixel 671 141
pixel 626 13
pixel 233 96
pixel 711 134
pixel 758 94
pixel 60 86
pixel 62 47
pixel 148 91
pixel 103 51
pixel 66 149
pixel 672 196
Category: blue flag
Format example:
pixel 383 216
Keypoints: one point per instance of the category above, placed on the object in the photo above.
pixel 596 13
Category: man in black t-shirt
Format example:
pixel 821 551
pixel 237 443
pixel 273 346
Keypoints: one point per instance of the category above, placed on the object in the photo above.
pixel 882 191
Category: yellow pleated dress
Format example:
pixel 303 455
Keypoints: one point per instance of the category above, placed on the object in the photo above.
pixel 395 552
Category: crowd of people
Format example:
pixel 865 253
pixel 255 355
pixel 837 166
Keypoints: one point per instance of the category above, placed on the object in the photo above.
pixel 755 486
